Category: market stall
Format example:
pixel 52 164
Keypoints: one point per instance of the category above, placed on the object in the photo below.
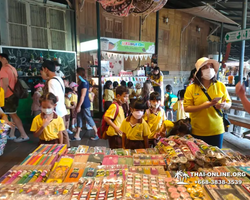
pixel 177 168
pixel 114 54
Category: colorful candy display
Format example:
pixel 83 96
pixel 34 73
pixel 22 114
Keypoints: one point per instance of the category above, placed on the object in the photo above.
pixel 4 128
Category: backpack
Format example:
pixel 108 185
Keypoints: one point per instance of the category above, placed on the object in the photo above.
pixel 104 124
pixel 20 88
pixel 171 100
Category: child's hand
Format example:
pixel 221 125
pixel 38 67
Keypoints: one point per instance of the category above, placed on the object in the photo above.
pixel 46 122
pixel 117 130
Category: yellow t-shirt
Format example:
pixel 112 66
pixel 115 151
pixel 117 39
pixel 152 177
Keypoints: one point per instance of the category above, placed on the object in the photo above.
pixel 206 122
pixel 108 95
pixel 137 132
pixel 73 98
pixel 168 125
pixel 68 104
pixel 154 121
pixel 51 131
pixel 157 80
pixel 181 114
pixel 138 92
pixel 110 113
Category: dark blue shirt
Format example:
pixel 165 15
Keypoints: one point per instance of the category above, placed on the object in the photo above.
pixel 82 85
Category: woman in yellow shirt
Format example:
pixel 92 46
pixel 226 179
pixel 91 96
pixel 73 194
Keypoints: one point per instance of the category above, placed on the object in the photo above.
pixel 48 126
pixel 108 95
pixel 207 123
pixel 135 129
pixel 157 79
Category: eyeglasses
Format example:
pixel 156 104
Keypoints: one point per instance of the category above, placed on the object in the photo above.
pixel 207 66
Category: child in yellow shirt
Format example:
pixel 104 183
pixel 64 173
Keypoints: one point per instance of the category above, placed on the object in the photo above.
pixel 154 116
pixel 108 95
pixel 48 126
pixel 114 119
pixel 73 100
pixel 135 129
pixel 69 106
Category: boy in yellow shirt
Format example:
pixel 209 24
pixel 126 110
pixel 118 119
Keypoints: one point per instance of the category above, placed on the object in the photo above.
pixel 114 119
pixel 48 126
pixel 69 106
pixel 154 116
pixel 135 129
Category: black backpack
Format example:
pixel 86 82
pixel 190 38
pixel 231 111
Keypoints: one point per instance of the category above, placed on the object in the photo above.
pixel 20 89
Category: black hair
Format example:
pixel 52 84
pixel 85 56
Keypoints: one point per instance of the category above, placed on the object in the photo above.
pixel 90 86
pixel 123 83
pixel 81 71
pixel 169 88
pixel 248 73
pixel 192 74
pixel 139 105
pixel 57 63
pixel 157 69
pixel 155 96
pixel 121 89
pixel 49 96
pixel 115 84
pixel 130 84
pixel 198 76
pixel 67 90
pixel 181 94
pixel 107 85
pixel 50 65
pixel 181 127
pixel 244 78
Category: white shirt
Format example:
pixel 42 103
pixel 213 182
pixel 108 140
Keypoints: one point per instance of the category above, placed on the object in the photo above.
pixel 57 88
pixel 60 73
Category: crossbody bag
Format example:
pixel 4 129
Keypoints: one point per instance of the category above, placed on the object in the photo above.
pixel 220 113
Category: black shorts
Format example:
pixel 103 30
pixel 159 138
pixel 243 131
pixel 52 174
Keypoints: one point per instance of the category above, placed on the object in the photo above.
pixel 11 104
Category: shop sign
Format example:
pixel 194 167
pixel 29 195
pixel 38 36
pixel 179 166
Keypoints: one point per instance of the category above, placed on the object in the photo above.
pixel 237 36
pixel 122 45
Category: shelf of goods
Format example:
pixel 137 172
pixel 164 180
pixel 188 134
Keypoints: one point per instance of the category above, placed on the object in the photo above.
pixel 180 168
pixel 4 128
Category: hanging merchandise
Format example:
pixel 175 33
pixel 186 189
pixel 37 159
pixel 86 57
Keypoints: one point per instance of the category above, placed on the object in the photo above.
pixel 131 57
pixel 126 57
pixel 136 57
pixel 123 8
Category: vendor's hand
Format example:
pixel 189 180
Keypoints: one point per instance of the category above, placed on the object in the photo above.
pixel 220 106
pixel 117 130
pixel 78 109
pixel 46 122
pixel 240 90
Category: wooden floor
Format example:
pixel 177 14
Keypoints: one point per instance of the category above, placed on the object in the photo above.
pixel 15 153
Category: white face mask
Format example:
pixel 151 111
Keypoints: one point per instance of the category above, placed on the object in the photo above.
pixel 155 105
pixel 57 68
pixel 47 111
pixel 208 74
pixel 137 114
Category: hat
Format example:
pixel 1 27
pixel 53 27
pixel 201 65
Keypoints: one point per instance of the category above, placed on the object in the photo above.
pixel 4 55
pixel 73 84
pixel 39 85
pixel 138 86
pixel 50 65
pixel 204 60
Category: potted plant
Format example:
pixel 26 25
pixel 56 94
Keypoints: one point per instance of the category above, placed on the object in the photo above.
pixel 34 72
pixel 19 71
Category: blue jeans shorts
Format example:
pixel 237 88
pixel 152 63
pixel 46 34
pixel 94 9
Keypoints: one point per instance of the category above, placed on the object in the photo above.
pixel 85 114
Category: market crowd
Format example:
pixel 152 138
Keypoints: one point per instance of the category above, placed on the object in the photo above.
pixel 135 116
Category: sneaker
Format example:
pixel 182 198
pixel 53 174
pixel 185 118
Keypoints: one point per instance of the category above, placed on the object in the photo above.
pixel 95 138
pixel 88 127
pixel 11 138
pixel 69 132
pixel 76 139
pixel 21 139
